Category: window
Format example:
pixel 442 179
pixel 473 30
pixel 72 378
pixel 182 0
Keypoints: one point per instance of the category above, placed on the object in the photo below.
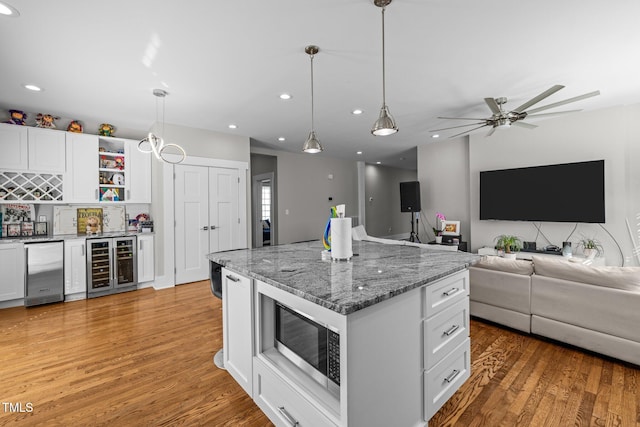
pixel 266 200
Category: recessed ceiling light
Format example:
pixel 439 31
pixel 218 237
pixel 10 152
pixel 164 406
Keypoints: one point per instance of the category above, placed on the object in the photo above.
pixel 8 10
pixel 32 87
pixel 357 111
pixel 358 152
pixel 285 96
pixel 378 163
pixel 281 139
pixel 435 136
pixel 232 126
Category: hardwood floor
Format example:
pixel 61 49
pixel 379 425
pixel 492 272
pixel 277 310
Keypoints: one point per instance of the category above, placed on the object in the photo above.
pixel 145 358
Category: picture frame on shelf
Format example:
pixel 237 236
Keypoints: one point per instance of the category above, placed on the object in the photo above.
pixel 13 230
pixel 450 228
pixel 26 228
pixel 40 229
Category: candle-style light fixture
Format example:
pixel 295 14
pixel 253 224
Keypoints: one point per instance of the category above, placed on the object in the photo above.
pixel 385 125
pixel 170 153
pixel 312 145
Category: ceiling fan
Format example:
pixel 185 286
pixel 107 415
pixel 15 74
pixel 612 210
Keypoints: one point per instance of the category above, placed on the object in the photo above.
pixel 504 119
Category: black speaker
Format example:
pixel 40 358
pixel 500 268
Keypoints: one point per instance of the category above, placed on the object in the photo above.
pixel 410 196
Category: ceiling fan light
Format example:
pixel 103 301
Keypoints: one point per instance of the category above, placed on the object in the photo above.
pixel 385 125
pixel 504 123
pixel 312 145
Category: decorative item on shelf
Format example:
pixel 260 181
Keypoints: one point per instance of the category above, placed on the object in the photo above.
pixel 107 162
pixel 17 117
pixel 117 179
pixel 326 237
pixel 40 229
pixel 106 129
pixel 145 226
pixel 17 212
pixel 109 194
pixel 75 126
pixel 566 250
pixel 89 220
pixel 119 162
pixel 169 153
pixel 450 228
pixel 46 121
pixel 13 230
pixel 312 145
pixel 385 125
pixel 26 228
pixel 508 245
pixel 590 247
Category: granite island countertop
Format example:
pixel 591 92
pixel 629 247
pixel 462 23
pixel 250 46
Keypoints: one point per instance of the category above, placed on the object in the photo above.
pixel 376 272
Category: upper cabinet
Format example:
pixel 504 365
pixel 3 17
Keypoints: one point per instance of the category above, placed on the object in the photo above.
pixel 81 179
pixel 31 149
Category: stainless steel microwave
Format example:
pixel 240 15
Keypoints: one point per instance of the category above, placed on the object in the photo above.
pixel 313 347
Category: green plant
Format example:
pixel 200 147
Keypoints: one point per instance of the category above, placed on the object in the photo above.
pixel 591 243
pixel 508 243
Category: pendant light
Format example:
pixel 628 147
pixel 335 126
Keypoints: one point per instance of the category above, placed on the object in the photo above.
pixel 169 153
pixel 385 125
pixel 312 145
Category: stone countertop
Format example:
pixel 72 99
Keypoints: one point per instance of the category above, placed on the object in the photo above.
pixel 376 272
pixel 50 238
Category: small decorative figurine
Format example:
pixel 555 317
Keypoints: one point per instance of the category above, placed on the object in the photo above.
pixel 75 127
pixel 106 130
pixel 17 117
pixel 46 121
pixel 119 163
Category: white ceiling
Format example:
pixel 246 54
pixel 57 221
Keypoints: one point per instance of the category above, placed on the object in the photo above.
pixel 227 62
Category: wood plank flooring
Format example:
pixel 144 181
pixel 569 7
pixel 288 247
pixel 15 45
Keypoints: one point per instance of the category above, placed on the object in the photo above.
pixel 145 358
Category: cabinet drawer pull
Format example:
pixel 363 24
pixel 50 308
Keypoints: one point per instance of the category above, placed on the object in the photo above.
pixel 287 416
pixel 452 375
pixel 450 292
pixel 232 278
pixel 451 330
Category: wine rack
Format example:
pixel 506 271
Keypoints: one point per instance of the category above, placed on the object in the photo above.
pixel 25 186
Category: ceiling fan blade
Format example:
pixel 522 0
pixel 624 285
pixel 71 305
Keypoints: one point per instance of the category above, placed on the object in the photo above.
pixel 493 129
pixel 493 105
pixel 566 101
pixel 557 113
pixel 538 98
pixel 459 126
pixel 524 125
pixel 459 118
pixel 467 131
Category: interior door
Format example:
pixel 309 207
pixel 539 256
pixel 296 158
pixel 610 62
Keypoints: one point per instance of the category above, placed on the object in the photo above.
pixel 191 189
pixel 224 221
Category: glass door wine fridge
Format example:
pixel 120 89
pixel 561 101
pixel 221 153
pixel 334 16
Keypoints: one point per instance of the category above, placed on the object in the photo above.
pixel 111 266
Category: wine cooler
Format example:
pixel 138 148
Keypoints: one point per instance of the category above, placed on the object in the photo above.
pixel 111 266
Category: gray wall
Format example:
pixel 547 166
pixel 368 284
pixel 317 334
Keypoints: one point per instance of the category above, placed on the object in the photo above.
pixel 443 172
pixel 304 186
pixel 382 202
pixel 609 134
pixel 261 164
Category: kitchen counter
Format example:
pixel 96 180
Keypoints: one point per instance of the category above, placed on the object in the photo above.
pixel 50 238
pixel 376 272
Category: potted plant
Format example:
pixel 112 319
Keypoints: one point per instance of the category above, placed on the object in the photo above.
pixel 590 247
pixel 509 245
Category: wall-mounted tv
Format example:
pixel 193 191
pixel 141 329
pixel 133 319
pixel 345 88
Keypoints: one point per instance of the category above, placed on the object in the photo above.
pixel 568 192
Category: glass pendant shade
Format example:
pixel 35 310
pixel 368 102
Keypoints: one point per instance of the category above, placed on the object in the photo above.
pixel 385 125
pixel 312 145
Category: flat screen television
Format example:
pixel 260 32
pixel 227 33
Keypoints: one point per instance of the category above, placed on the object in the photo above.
pixel 568 192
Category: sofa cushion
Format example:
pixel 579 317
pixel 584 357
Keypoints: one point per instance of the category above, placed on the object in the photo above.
pixel 627 278
pixel 515 266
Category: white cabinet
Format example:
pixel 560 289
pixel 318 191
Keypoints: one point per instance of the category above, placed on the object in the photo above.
pixel 75 269
pixel 237 331
pixel 46 150
pixel 81 179
pixel 13 146
pixel 146 263
pixel 138 186
pixel 12 267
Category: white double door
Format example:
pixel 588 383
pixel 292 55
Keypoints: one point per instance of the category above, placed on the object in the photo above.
pixel 208 218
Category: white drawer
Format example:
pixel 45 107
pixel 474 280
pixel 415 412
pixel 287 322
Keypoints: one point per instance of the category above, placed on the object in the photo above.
pixel 281 403
pixel 447 291
pixel 444 379
pixel 445 331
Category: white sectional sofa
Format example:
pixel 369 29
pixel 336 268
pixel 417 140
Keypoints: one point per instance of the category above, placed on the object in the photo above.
pixel 596 308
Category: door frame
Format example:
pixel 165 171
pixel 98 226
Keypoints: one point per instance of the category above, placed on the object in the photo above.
pixel 166 237
pixel 257 208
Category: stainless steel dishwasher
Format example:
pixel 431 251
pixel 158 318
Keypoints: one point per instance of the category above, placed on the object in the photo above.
pixel 44 273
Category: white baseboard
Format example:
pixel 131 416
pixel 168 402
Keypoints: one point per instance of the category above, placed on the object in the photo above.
pixel 163 282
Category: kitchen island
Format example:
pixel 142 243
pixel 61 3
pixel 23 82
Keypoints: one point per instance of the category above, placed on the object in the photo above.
pixel 401 314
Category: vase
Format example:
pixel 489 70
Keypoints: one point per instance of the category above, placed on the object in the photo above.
pixel 509 255
pixel 438 239
pixel 590 253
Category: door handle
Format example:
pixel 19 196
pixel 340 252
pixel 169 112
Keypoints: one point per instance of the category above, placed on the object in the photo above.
pixel 205 228
pixel 213 227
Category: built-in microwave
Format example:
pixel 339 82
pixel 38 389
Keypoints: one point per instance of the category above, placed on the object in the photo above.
pixel 313 347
